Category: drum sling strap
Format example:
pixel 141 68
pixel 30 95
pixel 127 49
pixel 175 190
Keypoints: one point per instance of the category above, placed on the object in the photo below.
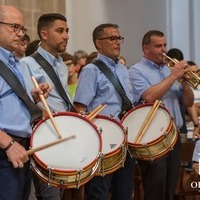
pixel 51 73
pixel 16 85
pixel 126 103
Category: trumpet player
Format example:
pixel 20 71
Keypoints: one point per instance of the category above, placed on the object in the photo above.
pixel 152 80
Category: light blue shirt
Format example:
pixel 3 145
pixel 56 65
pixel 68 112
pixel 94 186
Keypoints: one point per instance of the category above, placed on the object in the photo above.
pixel 14 116
pixel 94 88
pixel 146 74
pixel 196 152
pixel 30 67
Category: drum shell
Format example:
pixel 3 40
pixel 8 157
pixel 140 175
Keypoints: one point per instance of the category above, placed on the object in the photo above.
pixel 64 173
pixel 166 132
pixel 113 134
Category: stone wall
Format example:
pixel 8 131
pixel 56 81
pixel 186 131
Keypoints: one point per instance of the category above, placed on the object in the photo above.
pixel 33 9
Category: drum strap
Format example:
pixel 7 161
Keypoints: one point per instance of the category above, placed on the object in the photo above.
pixel 52 74
pixel 126 103
pixel 16 85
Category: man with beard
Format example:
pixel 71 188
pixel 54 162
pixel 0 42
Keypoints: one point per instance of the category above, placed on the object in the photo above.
pixel 53 32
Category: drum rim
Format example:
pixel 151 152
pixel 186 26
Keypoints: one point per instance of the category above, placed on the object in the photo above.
pixel 68 114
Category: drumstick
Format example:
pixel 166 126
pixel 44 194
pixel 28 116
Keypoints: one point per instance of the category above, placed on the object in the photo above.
pixel 93 111
pixel 47 108
pixel 147 121
pixel 31 151
pixel 97 112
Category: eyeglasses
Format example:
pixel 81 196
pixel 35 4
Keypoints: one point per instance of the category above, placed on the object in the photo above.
pixel 114 39
pixel 16 27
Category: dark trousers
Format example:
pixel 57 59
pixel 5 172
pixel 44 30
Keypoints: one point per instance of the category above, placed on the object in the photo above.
pixel 160 176
pixel 15 184
pixel 120 183
pixel 45 192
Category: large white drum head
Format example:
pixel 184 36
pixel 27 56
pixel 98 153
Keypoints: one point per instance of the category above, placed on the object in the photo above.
pixel 158 126
pixel 72 154
pixel 112 134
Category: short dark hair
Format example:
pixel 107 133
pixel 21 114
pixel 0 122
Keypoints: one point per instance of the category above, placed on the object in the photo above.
pixel 46 20
pixel 32 47
pixel 175 53
pixel 190 63
pixel 67 56
pixel 26 38
pixel 98 31
pixel 147 37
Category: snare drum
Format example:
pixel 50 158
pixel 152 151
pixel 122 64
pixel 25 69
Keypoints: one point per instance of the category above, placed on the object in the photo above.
pixel 113 144
pixel 159 138
pixel 72 163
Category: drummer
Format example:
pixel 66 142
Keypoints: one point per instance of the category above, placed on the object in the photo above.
pixel 152 80
pixel 93 89
pixel 15 128
pixel 53 32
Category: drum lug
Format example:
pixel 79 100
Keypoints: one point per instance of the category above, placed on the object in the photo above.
pixel 167 141
pixel 78 178
pixel 147 149
pixel 49 176
pixel 101 157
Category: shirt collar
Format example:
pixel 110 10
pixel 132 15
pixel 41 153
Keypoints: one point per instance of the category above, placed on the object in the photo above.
pixel 152 64
pixel 108 61
pixel 55 61
pixel 5 54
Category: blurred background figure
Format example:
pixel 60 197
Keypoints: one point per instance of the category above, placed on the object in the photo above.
pixel 32 47
pixel 20 51
pixel 177 54
pixel 91 57
pixel 193 112
pixel 122 60
pixel 80 58
pixel 70 62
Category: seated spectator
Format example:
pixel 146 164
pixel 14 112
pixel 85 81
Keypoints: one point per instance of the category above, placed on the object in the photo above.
pixel 196 157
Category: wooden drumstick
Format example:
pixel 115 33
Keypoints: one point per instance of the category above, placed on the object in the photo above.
pixel 47 108
pixel 97 112
pixel 147 121
pixel 93 111
pixel 33 150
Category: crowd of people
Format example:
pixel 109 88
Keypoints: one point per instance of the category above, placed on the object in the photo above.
pixel 86 86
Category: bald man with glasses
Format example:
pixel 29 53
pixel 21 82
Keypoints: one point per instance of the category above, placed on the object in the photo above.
pixel 16 115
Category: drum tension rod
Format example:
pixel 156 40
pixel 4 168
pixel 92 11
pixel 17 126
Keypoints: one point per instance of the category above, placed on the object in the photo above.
pixel 49 177
pixel 78 178
pixel 147 149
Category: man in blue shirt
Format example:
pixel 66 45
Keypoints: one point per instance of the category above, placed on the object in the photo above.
pixel 152 80
pixel 15 127
pixel 53 32
pixel 94 88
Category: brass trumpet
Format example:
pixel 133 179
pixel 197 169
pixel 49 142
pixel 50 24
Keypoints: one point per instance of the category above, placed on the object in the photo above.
pixel 192 79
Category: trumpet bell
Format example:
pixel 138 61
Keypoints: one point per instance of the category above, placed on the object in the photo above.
pixel 190 77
